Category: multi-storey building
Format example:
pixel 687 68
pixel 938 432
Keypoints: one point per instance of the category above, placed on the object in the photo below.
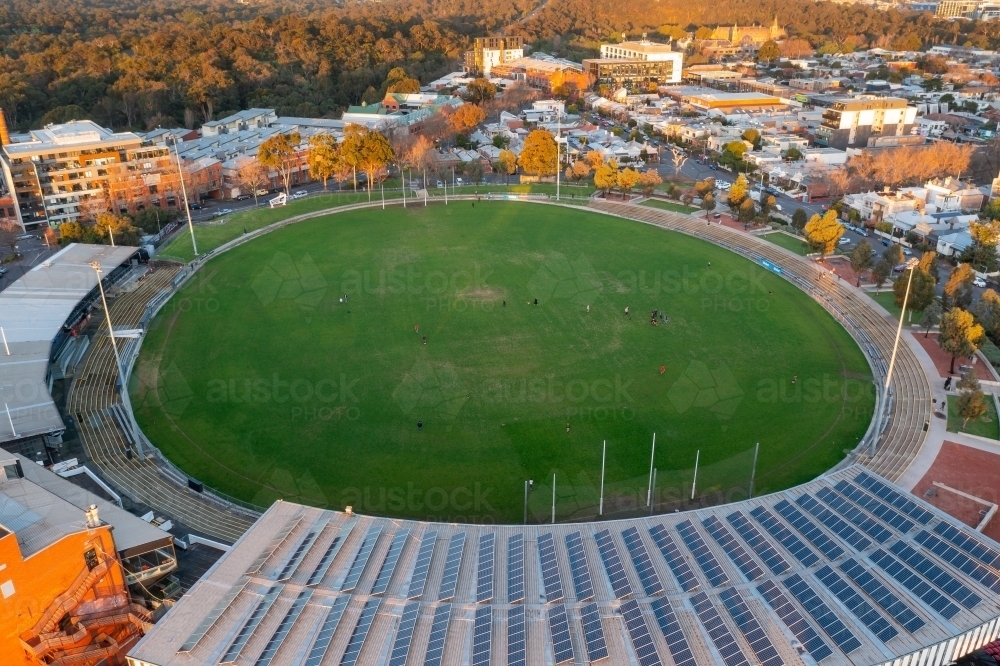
pixel 957 8
pixel 635 65
pixel 74 170
pixel 853 123
pixel 490 51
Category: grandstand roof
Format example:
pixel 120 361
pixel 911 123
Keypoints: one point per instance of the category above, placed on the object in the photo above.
pixel 846 569
pixel 33 310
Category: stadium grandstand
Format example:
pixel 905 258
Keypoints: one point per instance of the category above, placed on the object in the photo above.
pixel 42 314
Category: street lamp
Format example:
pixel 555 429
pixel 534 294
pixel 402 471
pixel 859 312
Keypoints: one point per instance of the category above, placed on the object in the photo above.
pixel 527 486
pixel 187 208
pixel 123 391
pixel 911 265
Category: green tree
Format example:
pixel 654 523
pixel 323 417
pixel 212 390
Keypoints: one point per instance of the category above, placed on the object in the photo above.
pixel 480 90
pixel 799 218
pixel 278 153
pixel 922 290
pixel 893 254
pixel 971 403
pixel 507 164
pixel 323 158
pixel 793 154
pixel 958 288
pixel 708 202
pixel 768 51
pixel 822 233
pixel 960 334
pixel 862 257
pixel 880 273
pixel 988 312
pixel 737 193
pixel 538 156
pixel 932 317
pixel 474 171
pixel 982 254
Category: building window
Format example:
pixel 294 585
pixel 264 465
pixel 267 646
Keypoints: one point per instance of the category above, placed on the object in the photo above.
pixel 90 557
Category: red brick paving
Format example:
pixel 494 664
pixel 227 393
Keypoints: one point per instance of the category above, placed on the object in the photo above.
pixel 970 470
pixel 942 360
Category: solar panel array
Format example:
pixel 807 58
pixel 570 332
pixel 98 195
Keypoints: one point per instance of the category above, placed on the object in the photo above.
pixel 748 625
pixel 273 545
pixel 515 569
pixel 809 530
pixel 760 545
pixel 562 645
pixel 613 564
pixel 702 555
pixel 485 567
pixel 935 574
pixel 213 615
pixel 672 554
pixel 836 524
pixel 672 633
pixel 737 553
pixel 784 536
pixel 959 560
pixel 875 506
pixel 643 564
pixel 638 632
pixel 482 636
pixel 729 649
pixel 885 598
pixel 893 497
pixel 798 625
pixel 854 515
pixel 278 637
pixel 578 567
pixel 864 611
pixel 439 631
pixel 360 633
pixel 517 640
pixel 331 552
pixel 322 641
pixel 404 634
pixel 985 554
pixel 550 568
pixel 826 618
pixel 451 565
pixel 300 551
pixel 251 624
pixel 361 558
pixel 422 565
pixel 593 632
pixel 914 583
pixel 390 561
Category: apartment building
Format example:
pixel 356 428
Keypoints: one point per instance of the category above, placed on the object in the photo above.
pixel 487 52
pixel 863 121
pixel 635 65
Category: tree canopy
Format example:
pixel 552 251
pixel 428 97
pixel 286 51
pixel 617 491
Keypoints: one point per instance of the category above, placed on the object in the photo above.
pixel 823 232
pixel 538 156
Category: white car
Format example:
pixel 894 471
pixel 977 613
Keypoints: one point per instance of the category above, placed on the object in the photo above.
pixel 224 211
pixel 907 251
pixel 844 241
pixel 299 194
pixel 979 282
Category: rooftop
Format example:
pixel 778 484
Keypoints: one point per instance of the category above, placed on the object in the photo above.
pixel 72 135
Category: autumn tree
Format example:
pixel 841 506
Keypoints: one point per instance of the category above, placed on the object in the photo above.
pixel 398 81
pixel 958 288
pixel 823 232
pixel 538 156
pixel 708 202
pixel 747 211
pixel 324 155
pixel 251 176
pixel 768 51
pixel 466 118
pixel 278 154
pixel 116 229
pixel 649 181
pixel 507 164
pixel 971 403
pixel 738 192
pixel 579 171
pixel 960 334
pixel 982 253
pixel 795 48
pixel 480 90
pixel 366 150
pixel 606 176
pixel 988 313
pixel 628 178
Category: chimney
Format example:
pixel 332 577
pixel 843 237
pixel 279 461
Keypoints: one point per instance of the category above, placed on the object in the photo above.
pixel 4 132
pixel 92 519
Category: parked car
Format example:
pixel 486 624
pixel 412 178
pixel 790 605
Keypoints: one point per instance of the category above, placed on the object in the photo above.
pixel 195 206
pixel 224 211
pixel 243 197
pixel 844 241
pixel 440 183
pixel 299 194
pixel 979 282
pixel 3 271
pixel 262 192
pixel 907 251
pixel 717 215
pixel 459 181
pixel 899 269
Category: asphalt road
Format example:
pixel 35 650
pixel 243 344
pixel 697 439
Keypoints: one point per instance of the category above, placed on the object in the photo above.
pixel 34 251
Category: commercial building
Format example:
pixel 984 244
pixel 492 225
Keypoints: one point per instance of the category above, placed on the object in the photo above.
pixel 957 8
pixel 544 72
pixel 706 99
pixel 863 121
pixel 487 52
pixel 635 65
pixel 68 560
pixel 76 169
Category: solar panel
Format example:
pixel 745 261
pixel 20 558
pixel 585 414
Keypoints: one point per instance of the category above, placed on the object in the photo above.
pixel 515 569
pixel 273 545
pixel 783 535
pixel 439 631
pixel 740 557
pixel 914 583
pixel 360 633
pixel 322 641
pixel 638 631
pixel 809 530
pixel 748 625
pixel 593 632
pixel 251 624
pixel 676 642
pixel 875 506
pixel 451 565
pixel 613 564
pixel 213 615
pixel 300 551
pixel 979 550
pixel 550 568
pixel 486 565
pixel 278 637
pixel 361 558
pixel 390 561
pixel 331 552
pixel 517 641
pixel 894 497
pixel 884 597
pixel 578 567
pixel 729 649
pixel 672 554
pixel 837 525
pixel 826 618
pixel 854 515
pixel 562 646
pixel 702 555
pixel 864 611
pixel 643 564
pixel 482 636
pixel 959 560
pixel 798 625
pixel 422 565
pixel 935 574
pixel 758 543
pixel 404 635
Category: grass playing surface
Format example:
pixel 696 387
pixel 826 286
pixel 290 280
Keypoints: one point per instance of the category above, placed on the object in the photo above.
pixel 257 380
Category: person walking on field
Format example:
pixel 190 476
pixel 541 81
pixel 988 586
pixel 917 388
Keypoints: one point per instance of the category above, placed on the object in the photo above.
pixel 627 314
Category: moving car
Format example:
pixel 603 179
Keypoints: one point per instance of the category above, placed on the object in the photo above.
pixel 243 197
pixel 224 211
pixel 844 241
pixel 261 192
pixel 299 194
pixel 195 206
pixel 979 282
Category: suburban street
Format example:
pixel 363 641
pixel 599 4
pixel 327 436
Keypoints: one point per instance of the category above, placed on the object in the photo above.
pixel 34 251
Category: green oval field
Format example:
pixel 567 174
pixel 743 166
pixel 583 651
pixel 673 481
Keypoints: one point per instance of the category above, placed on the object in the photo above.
pixel 259 378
